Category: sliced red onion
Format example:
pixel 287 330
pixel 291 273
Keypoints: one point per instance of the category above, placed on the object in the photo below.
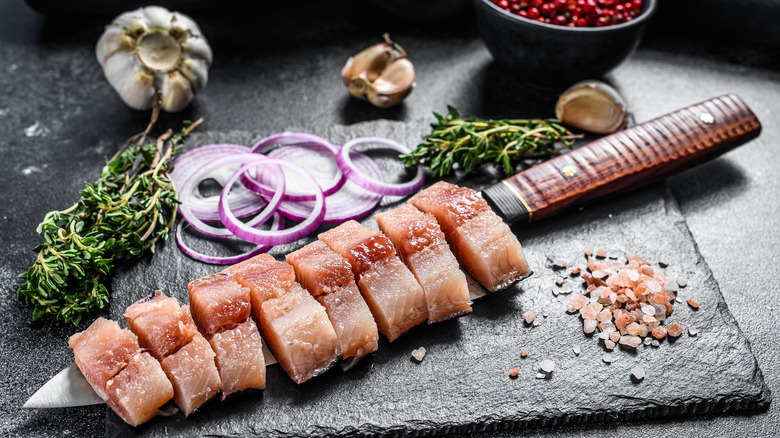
pixel 244 201
pixel 277 224
pixel 246 232
pixel 299 147
pixel 349 202
pixel 196 177
pixel 354 174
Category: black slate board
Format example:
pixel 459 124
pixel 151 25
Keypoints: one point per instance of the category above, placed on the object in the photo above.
pixel 462 385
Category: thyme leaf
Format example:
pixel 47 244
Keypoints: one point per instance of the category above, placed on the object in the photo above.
pixel 468 144
pixel 120 216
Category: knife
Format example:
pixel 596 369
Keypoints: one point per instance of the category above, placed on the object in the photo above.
pixel 622 161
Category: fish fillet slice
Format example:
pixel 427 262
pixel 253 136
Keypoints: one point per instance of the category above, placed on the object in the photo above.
pixel 193 373
pixel 101 351
pixel 483 244
pixel 131 382
pixel 161 325
pixel 392 293
pixel 328 277
pixel 218 302
pixel 265 277
pixel 239 358
pixel 298 331
pixel 424 249
pixel 138 391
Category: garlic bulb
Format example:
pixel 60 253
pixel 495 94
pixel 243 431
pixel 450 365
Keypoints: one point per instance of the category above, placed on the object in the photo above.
pixel 152 49
pixel 592 106
pixel 380 74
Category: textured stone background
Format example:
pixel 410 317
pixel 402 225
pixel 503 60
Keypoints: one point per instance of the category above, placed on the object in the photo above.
pixel 59 118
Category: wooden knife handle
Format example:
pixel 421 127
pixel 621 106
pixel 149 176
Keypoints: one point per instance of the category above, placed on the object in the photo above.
pixel 627 159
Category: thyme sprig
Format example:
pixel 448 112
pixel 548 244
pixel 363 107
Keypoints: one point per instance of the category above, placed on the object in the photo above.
pixel 122 215
pixel 473 142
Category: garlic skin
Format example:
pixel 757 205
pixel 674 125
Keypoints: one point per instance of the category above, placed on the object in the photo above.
pixel 380 74
pixel 151 49
pixel 593 106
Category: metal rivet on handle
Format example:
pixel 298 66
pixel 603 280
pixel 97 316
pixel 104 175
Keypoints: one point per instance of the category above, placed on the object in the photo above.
pixel 707 118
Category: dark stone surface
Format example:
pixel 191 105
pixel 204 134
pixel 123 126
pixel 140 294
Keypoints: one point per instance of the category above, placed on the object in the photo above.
pixel 59 118
pixel 462 385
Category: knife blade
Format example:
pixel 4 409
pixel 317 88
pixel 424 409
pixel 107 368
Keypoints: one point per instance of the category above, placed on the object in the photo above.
pixel 621 161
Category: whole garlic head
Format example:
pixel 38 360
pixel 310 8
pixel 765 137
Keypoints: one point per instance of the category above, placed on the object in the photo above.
pixel 380 74
pixel 152 49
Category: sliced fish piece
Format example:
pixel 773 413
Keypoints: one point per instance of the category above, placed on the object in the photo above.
pixel 423 247
pixel 265 277
pixel 239 358
pixel 328 278
pixel 131 381
pixel 299 333
pixel 392 293
pixel 482 242
pixel 218 302
pixel 193 373
pixel 139 390
pixel 162 326
pixel 103 350
pixel 168 333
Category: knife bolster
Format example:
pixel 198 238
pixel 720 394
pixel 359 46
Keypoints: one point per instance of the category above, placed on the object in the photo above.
pixel 507 202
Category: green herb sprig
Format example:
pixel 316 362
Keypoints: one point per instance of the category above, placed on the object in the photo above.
pixel 473 142
pixel 121 215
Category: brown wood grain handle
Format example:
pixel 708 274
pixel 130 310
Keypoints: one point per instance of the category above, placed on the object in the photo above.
pixel 627 159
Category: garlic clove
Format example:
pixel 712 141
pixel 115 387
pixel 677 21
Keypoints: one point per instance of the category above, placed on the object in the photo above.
pixel 381 74
pixel 157 16
pixel 195 71
pixel 133 84
pixel 176 91
pixel 593 106
pixel 198 48
pixel 398 77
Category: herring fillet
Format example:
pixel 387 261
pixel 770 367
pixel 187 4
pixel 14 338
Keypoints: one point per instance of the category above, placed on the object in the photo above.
pixel 328 278
pixel 392 293
pixel 295 326
pixel 220 307
pixel 482 242
pixel 167 331
pixel 423 247
pixel 130 380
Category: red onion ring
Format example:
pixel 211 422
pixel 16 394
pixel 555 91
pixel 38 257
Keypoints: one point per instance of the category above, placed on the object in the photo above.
pixel 349 202
pixel 277 224
pixel 193 179
pixel 245 202
pixel 354 174
pixel 246 232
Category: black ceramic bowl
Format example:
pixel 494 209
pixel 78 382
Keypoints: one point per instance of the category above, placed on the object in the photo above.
pixel 551 55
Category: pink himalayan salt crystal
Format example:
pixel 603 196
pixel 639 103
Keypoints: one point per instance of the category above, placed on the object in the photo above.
pixel 614 336
pixel 604 315
pixel 630 294
pixel 647 270
pixel 621 321
pixel 591 311
pixel 643 330
pixel 609 344
pixel 674 330
pixel 578 301
pixel 647 319
pixel 631 341
pixel 529 316
pixel 589 326
pixel 632 275
pixel 633 329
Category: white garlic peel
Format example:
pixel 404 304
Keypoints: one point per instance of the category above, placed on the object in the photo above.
pixel 593 106
pixel 152 49
pixel 380 74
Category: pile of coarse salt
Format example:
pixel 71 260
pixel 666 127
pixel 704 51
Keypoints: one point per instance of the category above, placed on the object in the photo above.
pixel 627 303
